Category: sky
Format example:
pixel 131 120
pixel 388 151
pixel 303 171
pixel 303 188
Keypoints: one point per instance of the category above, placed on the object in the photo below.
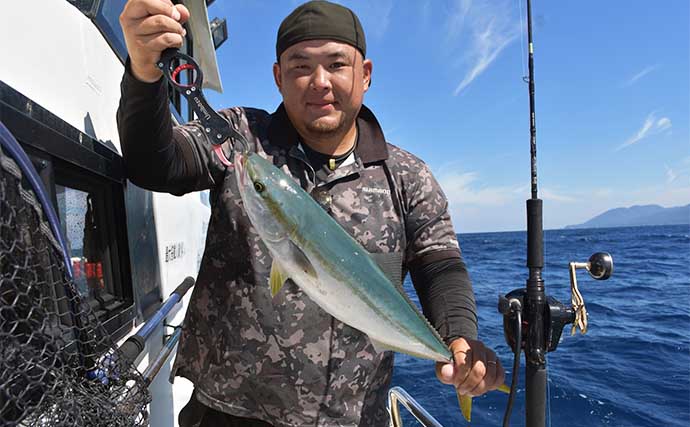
pixel 611 85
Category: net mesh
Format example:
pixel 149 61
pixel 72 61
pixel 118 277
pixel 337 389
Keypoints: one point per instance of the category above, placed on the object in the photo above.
pixel 58 365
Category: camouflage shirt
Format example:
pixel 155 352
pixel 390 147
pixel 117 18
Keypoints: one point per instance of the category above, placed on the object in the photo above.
pixel 284 360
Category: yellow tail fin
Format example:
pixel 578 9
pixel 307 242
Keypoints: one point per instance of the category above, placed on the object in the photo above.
pixel 466 402
pixel 465 406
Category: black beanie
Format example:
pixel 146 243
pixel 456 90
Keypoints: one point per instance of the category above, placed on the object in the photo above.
pixel 321 20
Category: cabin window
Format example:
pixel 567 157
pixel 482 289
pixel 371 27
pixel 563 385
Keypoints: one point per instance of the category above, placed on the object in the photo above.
pixel 83 221
pixel 77 211
pixel 91 212
pixel 88 197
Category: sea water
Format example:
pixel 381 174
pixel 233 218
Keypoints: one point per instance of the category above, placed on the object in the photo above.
pixel 632 368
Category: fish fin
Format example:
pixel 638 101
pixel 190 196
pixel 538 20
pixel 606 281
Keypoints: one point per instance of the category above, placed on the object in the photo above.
pixel 465 406
pixel 466 402
pixel 301 260
pixel 379 346
pixel 278 277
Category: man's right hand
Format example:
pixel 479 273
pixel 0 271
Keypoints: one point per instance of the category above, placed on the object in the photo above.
pixel 150 27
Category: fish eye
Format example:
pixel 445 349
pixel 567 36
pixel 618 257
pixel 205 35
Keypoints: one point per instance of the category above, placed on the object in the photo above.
pixel 259 186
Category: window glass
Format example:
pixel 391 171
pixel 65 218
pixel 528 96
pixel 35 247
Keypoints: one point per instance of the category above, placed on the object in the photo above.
pixel 108 21
pixel 80 225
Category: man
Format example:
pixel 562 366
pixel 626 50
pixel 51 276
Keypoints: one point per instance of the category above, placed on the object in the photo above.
pixel 255 360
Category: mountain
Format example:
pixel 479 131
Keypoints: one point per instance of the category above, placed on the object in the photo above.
pixel 638 215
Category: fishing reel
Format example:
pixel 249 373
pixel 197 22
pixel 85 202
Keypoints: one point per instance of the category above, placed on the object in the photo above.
pixel 556 314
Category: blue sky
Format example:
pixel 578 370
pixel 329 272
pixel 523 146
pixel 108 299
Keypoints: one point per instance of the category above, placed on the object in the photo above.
pixel 612 98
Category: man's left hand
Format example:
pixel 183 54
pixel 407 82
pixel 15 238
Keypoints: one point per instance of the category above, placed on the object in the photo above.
pixel 474 370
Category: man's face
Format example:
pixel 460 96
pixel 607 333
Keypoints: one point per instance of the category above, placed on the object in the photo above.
pixel 323 84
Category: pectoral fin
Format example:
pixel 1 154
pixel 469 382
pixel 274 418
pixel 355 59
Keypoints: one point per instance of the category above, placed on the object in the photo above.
pixel 301 260
pixel 278 277
pixel 296 258
pixel 504 388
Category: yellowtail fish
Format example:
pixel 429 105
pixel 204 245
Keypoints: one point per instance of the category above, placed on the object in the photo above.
pixel 332 268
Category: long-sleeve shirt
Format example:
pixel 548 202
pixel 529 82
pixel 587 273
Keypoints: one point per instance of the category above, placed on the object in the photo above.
pixel 283 359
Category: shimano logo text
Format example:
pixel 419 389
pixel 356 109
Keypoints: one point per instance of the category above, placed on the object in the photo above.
pixel 376 190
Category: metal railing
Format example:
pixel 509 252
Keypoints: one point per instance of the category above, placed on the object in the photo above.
pixel 396 396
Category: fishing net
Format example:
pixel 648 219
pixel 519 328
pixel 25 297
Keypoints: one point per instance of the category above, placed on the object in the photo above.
pixel 58 366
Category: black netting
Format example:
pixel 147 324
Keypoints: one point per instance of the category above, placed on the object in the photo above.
pixel 58 366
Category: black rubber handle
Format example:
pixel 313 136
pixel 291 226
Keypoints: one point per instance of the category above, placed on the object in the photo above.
pixel 131 349
pixel 182 289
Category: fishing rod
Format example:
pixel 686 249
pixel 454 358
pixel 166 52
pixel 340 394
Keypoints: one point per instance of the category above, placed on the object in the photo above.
pixel 533 321
pixel 535 301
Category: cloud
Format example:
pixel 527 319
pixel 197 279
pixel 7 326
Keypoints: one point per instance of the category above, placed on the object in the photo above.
pixel 670 175
pixel 639 75
pixel 663 124
pixel 651 126
pixel 679 172
pixel 488 27
pixel 602 193
pixel 464 189
pixel 550 195
pixel 664 195
pixel 456 19
pixel 476 206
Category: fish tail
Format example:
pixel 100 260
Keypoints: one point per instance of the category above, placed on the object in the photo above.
pixel 465 402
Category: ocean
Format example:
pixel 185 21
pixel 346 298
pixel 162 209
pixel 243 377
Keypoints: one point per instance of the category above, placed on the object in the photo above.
pixel 632 368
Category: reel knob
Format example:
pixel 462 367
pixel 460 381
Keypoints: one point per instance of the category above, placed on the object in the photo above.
pixel 600 266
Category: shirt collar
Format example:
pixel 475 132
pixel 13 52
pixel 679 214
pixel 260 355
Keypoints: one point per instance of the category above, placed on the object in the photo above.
pixel 370 148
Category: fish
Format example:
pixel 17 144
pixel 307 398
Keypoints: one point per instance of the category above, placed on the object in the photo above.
pixel 309 247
